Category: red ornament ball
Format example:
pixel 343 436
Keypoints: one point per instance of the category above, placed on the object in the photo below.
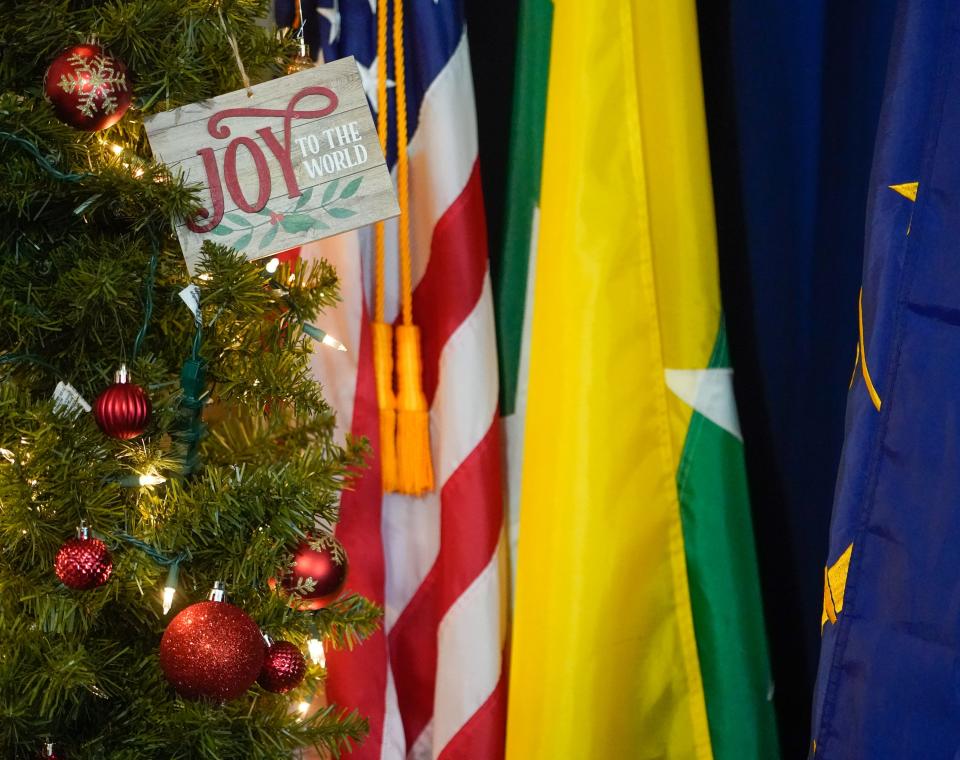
pixel 88 88
pixel 123 409
pixel 83 563
pixel 283 668
pixel 213 650
pixel 326 566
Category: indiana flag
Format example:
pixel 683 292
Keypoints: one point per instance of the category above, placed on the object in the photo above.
pixel 888 684
pixel 431 683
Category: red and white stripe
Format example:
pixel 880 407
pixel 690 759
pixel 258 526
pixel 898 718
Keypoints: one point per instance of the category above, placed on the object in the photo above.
pixel 432 682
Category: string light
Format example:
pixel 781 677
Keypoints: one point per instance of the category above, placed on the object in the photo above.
pixel 304 708
pixel 272 265
pixel 315 648
pixel 323 336
pixel 151 479
pixel 117 149
pixel 329 340
pixel 170 588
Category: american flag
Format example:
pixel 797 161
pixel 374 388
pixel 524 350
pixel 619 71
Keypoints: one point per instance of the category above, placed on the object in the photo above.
pixel 433 682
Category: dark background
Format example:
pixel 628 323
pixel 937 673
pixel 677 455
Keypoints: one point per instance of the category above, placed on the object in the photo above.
pixel 792 94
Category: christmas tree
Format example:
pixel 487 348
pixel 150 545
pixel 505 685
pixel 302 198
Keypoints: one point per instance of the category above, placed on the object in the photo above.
pixel 208 463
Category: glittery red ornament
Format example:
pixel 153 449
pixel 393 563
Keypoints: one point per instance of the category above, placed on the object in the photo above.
pixel 212 649
pixel 88 88
pixel 283 668
pixel 83 562
pixel 326 565
pixel 123 409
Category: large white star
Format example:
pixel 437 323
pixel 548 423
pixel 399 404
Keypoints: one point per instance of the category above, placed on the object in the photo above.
pixel 368 75
pixel 710 392
pixel 332 15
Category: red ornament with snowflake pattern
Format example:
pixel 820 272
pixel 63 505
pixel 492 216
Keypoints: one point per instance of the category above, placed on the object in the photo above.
pixel 88 88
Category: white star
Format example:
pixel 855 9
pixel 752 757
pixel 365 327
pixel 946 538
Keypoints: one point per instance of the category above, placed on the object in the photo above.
pixel 368 75
pixel 333 16
pixel 373 7
pixel 710 392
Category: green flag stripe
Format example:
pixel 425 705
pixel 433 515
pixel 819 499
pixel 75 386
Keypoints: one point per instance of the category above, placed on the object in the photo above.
pixel 724 588
pixel 510 270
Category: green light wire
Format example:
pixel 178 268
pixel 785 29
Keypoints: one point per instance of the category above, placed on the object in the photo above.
pixel 148 285
pixel 43 160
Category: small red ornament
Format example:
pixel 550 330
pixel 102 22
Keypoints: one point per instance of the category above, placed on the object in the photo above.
pixel 212 649
pixel 83 563
pixel 88 88
pixel 283 668
pixel 323 561
pixel 123 409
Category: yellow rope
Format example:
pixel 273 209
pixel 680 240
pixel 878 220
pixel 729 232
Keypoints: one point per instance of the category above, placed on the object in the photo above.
pixel 382 331
pixel 874 396
pixel 405 458
pixel 414 461
pixel 382 133
pixel 403 170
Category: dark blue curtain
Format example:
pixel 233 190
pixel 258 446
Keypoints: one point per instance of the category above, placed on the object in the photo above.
pixel 793 94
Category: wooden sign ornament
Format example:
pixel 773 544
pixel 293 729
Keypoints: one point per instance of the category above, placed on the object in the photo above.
pixel 297 160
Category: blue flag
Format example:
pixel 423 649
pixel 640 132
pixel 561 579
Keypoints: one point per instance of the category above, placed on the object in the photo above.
pixel 888 684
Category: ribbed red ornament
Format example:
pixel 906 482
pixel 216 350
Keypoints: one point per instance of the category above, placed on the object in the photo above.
pixel 88 88
pixel 327 566
pixel 213 650
pixel 283 668
pixel 83 563
pixel 123 409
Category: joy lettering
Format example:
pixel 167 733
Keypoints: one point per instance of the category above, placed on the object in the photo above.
pixel 281 151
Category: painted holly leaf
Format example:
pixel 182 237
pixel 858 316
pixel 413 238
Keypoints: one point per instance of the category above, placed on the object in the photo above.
pixel 243 241
pixel 237 219
pixel 352 186
pixel 296 223
pixel 329 191
pixel 340 213
pixel 222 230
pixel 304 199
pixel 268 238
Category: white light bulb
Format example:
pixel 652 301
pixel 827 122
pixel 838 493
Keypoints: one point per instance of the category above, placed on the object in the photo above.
pixel 304 708
pixel 151 479
pixel 168 593
pixel 116 149
pixel 272 265
pixel 329 340
pixel 315 648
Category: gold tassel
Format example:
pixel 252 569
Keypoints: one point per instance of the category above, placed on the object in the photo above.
pixel 414 463
pixel 386 401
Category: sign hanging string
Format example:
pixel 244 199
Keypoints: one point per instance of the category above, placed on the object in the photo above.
pixel 236 54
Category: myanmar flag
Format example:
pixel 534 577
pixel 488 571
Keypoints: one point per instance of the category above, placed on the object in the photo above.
pixel 638 626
